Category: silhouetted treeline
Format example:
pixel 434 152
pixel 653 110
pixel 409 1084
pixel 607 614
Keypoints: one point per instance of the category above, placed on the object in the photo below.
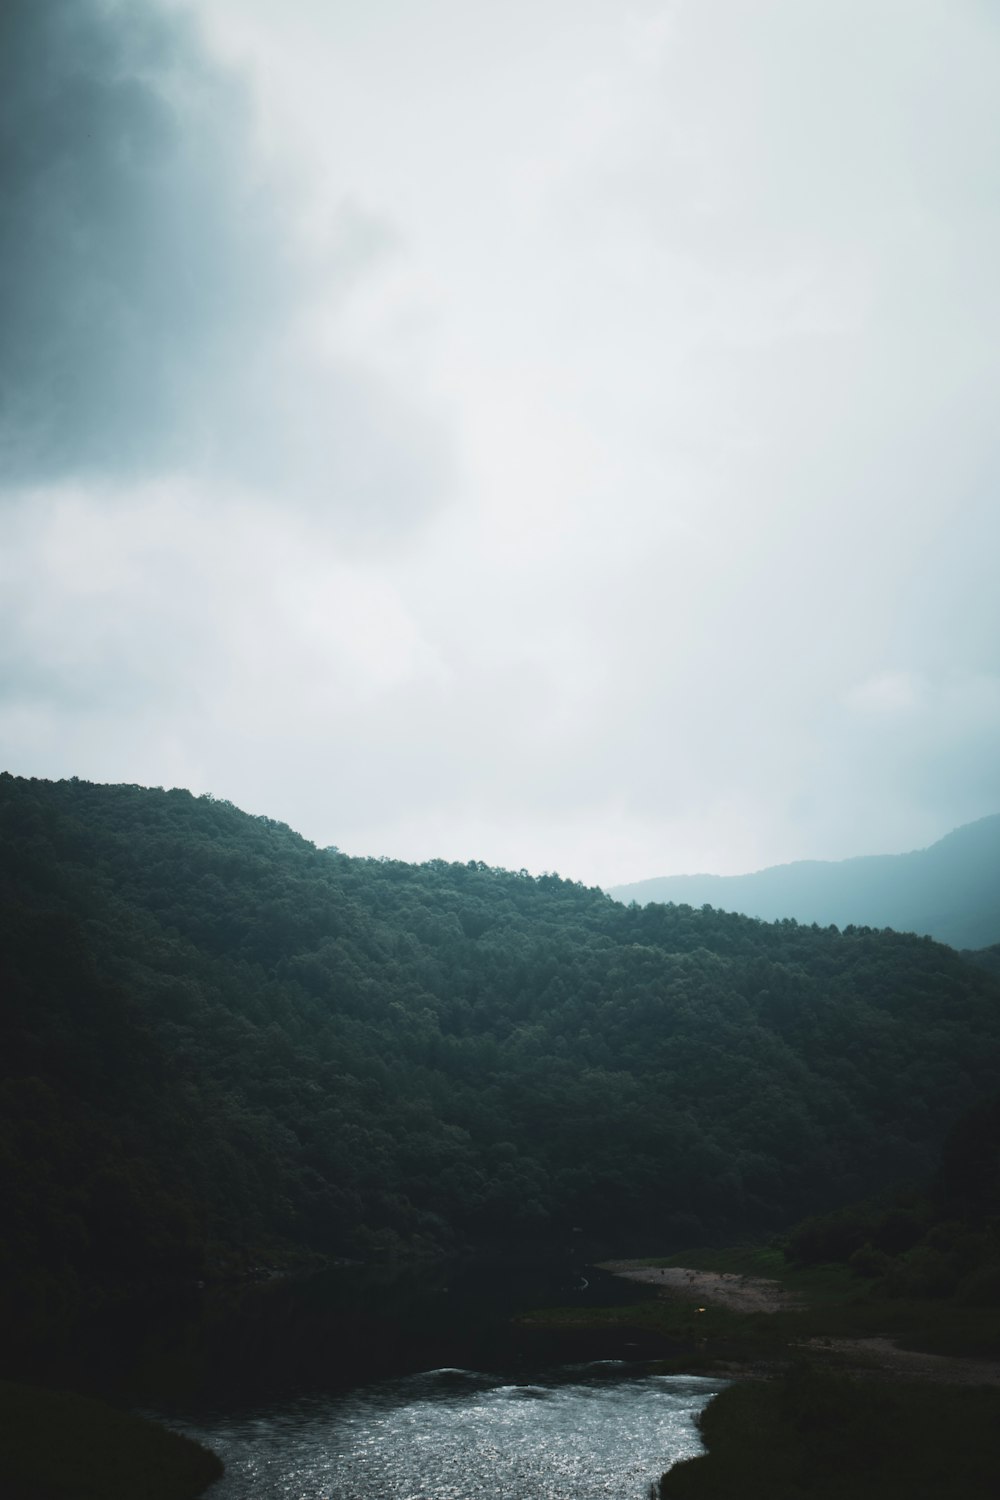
pixel 941 1241
pixel 220 1042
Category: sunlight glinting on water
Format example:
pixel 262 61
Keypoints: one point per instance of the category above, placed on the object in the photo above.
pixel 588 1434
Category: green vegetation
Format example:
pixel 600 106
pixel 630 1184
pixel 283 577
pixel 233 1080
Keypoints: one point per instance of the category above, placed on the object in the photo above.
pixel 700 1334
pixel 920 1268
pixel 57 1446
pixel 223 1047
pixel 813 1435
pixel 917 1269
pixel 986 958
pixel 957 1216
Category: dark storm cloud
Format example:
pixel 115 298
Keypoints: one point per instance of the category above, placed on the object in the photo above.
pixel 132 244
pixel 147 285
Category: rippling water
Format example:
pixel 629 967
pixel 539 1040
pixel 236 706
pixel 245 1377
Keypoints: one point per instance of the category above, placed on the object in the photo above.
pixel 578 1434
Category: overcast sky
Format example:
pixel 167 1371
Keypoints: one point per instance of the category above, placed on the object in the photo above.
pixel 555 432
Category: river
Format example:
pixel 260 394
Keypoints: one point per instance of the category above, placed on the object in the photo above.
pixel 434 1383
pixel 601 1431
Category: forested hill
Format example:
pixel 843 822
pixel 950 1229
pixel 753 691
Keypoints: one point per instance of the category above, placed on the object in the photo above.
pixel 217 1037
pixel 951 890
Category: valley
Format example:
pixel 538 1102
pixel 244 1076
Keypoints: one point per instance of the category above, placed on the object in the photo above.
pixel 232 1060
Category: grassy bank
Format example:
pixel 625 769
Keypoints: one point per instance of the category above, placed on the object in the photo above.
pixel 818 1435
pixel 814 1428
pixel 58 1446
pixel 834 1305
pixel 837 1304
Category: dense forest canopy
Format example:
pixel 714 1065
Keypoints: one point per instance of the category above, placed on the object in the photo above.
pixel 951 890
pixel 219 1039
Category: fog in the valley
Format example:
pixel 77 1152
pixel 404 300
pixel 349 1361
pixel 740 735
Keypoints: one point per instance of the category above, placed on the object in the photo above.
pixel 559 435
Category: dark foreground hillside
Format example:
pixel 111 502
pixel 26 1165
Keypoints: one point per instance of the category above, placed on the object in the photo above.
pixel 220 1043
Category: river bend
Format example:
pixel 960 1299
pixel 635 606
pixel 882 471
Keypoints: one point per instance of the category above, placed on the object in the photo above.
pixel 591 1432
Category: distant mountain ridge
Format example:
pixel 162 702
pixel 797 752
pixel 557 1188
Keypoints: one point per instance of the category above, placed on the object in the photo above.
pixel 950 890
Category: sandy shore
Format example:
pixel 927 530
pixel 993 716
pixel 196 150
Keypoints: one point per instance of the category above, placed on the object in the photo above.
pixel 726 1288
pixel 872 1357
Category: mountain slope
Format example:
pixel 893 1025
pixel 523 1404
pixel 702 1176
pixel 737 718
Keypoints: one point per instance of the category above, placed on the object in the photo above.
pixel 218 1041
pixel 950 891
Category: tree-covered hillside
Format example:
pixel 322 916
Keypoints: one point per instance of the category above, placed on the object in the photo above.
pixel 950 891
pixel 218 1038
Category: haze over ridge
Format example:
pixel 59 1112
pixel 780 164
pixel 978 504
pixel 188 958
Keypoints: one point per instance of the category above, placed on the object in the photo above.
pixel 950 890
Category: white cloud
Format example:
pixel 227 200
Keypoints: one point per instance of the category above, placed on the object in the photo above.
pixel 888 693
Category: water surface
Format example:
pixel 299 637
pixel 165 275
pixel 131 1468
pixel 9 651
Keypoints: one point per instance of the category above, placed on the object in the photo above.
pixel 579 1433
